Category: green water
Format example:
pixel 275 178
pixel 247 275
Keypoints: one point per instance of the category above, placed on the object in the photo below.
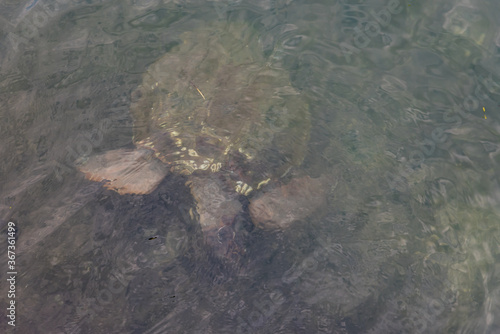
pixel 404 99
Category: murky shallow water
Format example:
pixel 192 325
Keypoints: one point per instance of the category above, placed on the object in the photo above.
pixel 409 241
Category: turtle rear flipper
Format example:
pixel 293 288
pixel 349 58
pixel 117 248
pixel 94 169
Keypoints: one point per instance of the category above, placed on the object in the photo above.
pixel 126 171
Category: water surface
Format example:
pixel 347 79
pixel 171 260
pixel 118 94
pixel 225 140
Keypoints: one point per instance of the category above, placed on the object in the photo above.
pixel 404 99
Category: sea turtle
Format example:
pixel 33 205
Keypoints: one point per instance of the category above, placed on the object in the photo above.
pixel 214 109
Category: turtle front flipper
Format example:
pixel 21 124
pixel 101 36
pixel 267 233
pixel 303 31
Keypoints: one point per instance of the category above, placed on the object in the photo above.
pixel 279 207
pixel 126 171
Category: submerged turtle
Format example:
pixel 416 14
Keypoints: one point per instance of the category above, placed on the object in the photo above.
pixel 214 109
